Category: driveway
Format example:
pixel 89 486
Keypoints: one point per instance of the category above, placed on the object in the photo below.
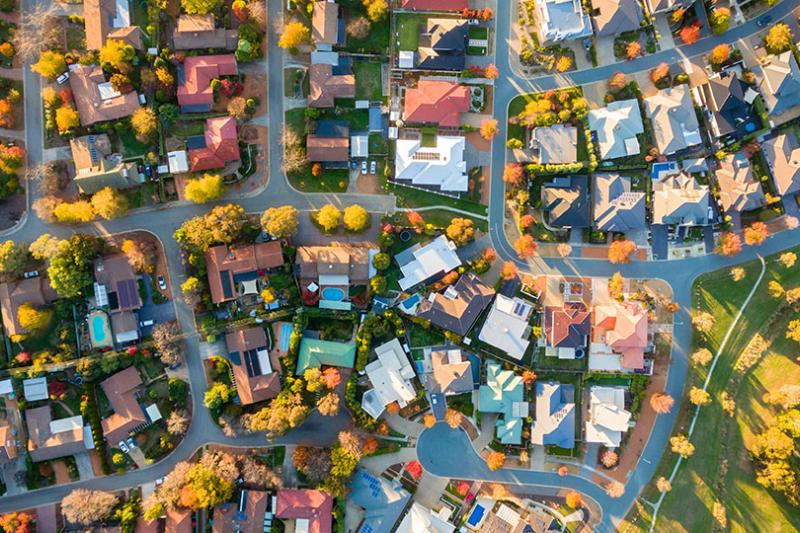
pixel 604 46
pixel 438 405
pixel 84 464
pixel 660 240
pixel 158 313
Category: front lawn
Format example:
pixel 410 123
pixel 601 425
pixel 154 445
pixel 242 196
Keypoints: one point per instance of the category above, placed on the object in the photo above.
pixel 368 80
pixel 480 33
pixel 408 30
pixel 331 180
pixel 293 81
pixel 408 197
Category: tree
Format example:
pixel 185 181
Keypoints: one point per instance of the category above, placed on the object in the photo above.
pixel 663 484
pixel 67 119
pixel 564 63
pixel 659 73
pixel 13 258
pixel 34 320
pixel 738 274
pixel 429 420
pixel 460 231
pixel 621 251
pixel 117 54
pixel 51 64
pixel 617 81
pixel 204 189
pixel 328 405
pixel 719 54
pixel 294 34
pixel 381 261
pixel 690 34
pixel 85 507
pixel 680 444
pixel 491 72
pixel 564 249
pixel 281 221
pixel 525 247
pixel 615 489
pixel 574 499
pixel 286 411
pixel 528 377
pixel 616 285
pixel 356 218
pixel 376 9
pixel 199 7
pixel 74 212
pixel 358 27
pixel 702 357
pixel 313 377
pixel 328 217
pixel 225 223
pixel 703 321
pixel 729 244
pixel 609 459
pixel 239 8
pixel 793 330
pixel 513 174
pixel 755 234
pixel 177 422
pixel 661 402
pixel 633 50
pixel 788 259
pixel 778 38
pixel 43 248
pixel 70 269
pixel 108 203
pixel 720 19
pixel 509 271
pixel 378 285
pixel 793 296
pixel 204 488
pixel 415 219
pixel 257 475
pixel 495 460
pixel 141 254
pixel 312 462
pixel 453 418
pixel 238 108
pixel 489 129
pixel 775 289
pixel 699 397
pixel 217 395
pixel 17 522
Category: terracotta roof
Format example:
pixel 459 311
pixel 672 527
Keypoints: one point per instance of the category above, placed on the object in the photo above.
pixel 351 259
pixel 8 445
pixel 325 22
pixel 194 32
pixel 36 291
pixel 435 5
pixel 323 149
pixel 623 327
pixel 566 326
pixel 43 444
pixel 450 377
pixel 120 389
pixel 86 82
pixel 436 102
pixel 143 526
pixel 116 273
pixel 252 385
pixel 315 506
pixel 324 87
pixel 228 519
pixel 224 263
pixel 222 145
pixel 98 16
pixel 198 71
pixel 178 521
pixel 458 308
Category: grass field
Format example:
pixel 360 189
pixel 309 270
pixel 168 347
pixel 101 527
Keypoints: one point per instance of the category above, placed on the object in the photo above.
pixel 408 30
pixel 368 80
pixel 408 197
pixel 720 440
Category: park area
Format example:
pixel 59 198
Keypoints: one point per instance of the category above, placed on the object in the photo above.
pixel 716 488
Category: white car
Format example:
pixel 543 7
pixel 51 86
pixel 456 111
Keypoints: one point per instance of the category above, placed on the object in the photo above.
pixel 62 78
pixel 364 166
pixel 123 447
pixel 162 283
pixel 373 167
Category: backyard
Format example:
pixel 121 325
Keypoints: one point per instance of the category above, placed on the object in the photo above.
pixel 408 30
pixel 368 80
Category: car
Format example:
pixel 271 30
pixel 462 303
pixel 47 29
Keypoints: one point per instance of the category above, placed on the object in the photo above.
pixel 434 399
pixel 145 323
pixel 373 167
pixel 123 447
pixel 62 78
pixel 473 22
pixel 31 274
pixel 162 283
pixel 131 443
pixel 763 21
pixel 364 166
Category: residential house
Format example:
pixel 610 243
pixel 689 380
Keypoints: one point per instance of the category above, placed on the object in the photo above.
pixel 325 24
pixel 327 82
pixel 256 377
pixel 109 19
pixel 783 157
pixel 435 5
pixel 613 17
pixel 315 353
pixel 179 520
pixel 381 501
pixel 729 106
pixel 566 329
pixel 556 144
pixel 216 147
pixel 738 189
pixel 441 167
pixel 617 126
pixel 565 202
pixel 780 83
pixel 392 379
pixel 608 418
pixel 33 291
pixel 620 337
pixel 96 167
pixel 616 207
pixel 50 439
pixel 554 423
pixel 451 372
pixel 507 326
pixel 419 518
pixel 331 271
pixel 330 143
pixel 195 94
pixel 425 263
pixel 311 510
pixel 439 103
pixel 116 289
pixel 8 443
pixel 561 20
pixel 247 515
pixel 96 99
pixel 200 32
pixel 121 390
pixel 235 272
pixel 674 120
pixel 664 6
pixel 681 201
pixel 459 306
pixel 442 44
pixel 504 394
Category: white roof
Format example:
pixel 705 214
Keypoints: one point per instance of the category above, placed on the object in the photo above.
pixel 328 280
pixel 359 146
pixel 441 166
pixel 66 424
pixel 406 59
pixel 301 525
pixel 153 413
pixel 35 389
pixel 608 418
pixel 107 91
pixel 6 387
pixel 420 519
pixel 507 326
pixel 617 126
pixel 508 515
pixel 391 376
pixel 122 17
pixel 178 162
pixel 436 257
pixel 126 336
pixel 325 58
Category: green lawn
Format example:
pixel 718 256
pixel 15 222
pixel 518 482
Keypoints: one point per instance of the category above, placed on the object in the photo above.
pixel 131 147
pixel 408 30
pixel 368 80
pixel 441 218
pixel 358 118
pixel 477 32
pixel 515 107
pixel 421 337
pixel 292 81
pixel 185 129
pixel 329 181
pixel 408 197
pixel 296 120
pixel 377 42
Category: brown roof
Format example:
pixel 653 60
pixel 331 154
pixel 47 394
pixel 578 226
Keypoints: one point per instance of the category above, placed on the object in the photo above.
pixel 194 32
pixel 97 16
pixel 116 273
pixel 143 526
pixel 36 291
pixel 314 505
pixel 223 263
pixel 178 521
pixel 120 389
pixel 85 82
pixel 88 151
pixel 738 188
pixel 44 445
pixel 252 385
pixel 460 305
pixel 325 87
pixel 228 520
pixel 322 149
pixel 450 378
pixel 337 258
pixel 8 444
pixel 783 157
pixel 131 35
pixel 325 22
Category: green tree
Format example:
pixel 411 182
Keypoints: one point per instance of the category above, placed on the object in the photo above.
pixel 280 221
pixel 378 285
pixel 109 203
pixel 217 395
pixel 51 64
pixel 328 217
pixel 356 218
pixel 13 258
pixel 117 54
pixel 168 113
pixel 204 488
pixel 70 270
pixel 381 261
pixel 204 189
pixel 199 7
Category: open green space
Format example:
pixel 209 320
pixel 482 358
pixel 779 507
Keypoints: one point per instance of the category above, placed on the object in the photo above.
pixel 368 80
pixel 408 30
pixel 357 118
pixel 515 107
pixel 184 128
pixel 293 81
pixel 408 197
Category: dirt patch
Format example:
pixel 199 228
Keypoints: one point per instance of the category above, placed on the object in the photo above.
pixel 601 252
pixel 368 184
pixel 480 144
pixel 254 85
pixel 485 181
pixel 11 210
pixel 61 472
pixel 97 467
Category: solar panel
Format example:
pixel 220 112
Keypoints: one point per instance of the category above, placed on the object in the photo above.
pixel 225 281
pixel 251 363
pixel 126 292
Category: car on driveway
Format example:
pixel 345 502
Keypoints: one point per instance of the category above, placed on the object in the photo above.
pixel 364 166
pixel 124 447
pixel 131 443
pixel 373 167
pixel 162 283
pixel 31 274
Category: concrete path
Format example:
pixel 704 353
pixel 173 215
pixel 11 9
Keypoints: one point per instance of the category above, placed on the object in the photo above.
pixel 604 47
pixel 84 464
pixel 429 490
pixel 377 464
pixel 665 39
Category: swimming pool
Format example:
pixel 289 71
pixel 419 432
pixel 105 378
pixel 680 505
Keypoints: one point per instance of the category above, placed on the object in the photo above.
pixel 334 294
pixel 286 335
pixel 99 330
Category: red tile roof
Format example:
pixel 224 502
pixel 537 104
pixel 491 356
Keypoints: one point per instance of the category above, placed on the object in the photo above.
pixel 314 505
pixel 435 5
pixel 625 330
pixel 325 87
pixel 198 71
pixel 436 102
pixel 323 149
pixel 222 145
pixel 565 322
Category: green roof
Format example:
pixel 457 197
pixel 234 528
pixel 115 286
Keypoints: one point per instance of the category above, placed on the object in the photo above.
pixel 509 431
pixel 314 353
pixel 503 389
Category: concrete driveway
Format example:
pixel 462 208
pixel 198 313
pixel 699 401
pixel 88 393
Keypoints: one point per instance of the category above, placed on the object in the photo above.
pixel 84 464
pixel 604 46
pixel 158 313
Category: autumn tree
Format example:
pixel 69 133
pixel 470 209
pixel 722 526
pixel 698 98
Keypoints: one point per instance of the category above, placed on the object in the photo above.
pixel 737 274
pixel 528 377
pixel 616 285
pixel 43 248
pixel 756 233
pixel 788 259
pixel 615 489
pixel 564 63
pixel 355 218
pixel 489 129
pixel 495 460
pixel 204 189
pixel 199 7
pixel 729 244
pixel 86 507
pixel 358 27
pixel 461 231
pixel 699 397
pixel 453 418
pixel 525 246
pixel 633 50
pixel 328 217
pixel 617 81
pixel 17 522
pixel 778 38
pixel 145 124
pixel 177 422
pixel 513 174
pixel 51 64
pixel 328 405
pixel 720 19
pixel 109 203
pixel 13 258
pixel 286 411
pixel 217 395
pixel 661 402
pixel 34 320
pixel 793 330
pixel 294 34
pixel 703 321
pixel 574 499
pixel 331 377
pixel 775 289
pixel 719 54
pixel 621 251
pixel 74 212
pixel 702 357
pixel 429 420
pixel 376 9
pixel 205 488
pixel 67 119
pixel 141 254
pixel 509 271
pixel 314 463
pixel 117 54
pixel 680 444
pixel 281 221
pixel 491 72
pixel 690 34
pixel 564 249
pixel 663 484
pixel 609 459
pixel 167 341
pixel 659 73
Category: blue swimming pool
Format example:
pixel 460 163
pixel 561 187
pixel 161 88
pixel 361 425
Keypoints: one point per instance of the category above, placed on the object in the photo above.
pixel 98 328
pixel 286 334
pixel 333 294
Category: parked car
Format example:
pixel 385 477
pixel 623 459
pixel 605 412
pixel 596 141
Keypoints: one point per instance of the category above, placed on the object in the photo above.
pixel 123 447
pixel 162 283
pixel 31 274
pixel 62 78
pixel 131 443
pixel 473 22
pixel 145 323
pixel 364 166
pixel 763 21
pixel 373 167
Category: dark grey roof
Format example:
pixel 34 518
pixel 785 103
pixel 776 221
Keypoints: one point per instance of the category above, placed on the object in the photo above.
pixel 725 97
pixel 612 17
pixel 383 501
pixel 566 202
pixel 616 208
pixel 459 307
pixel 332 129
pixel 442 45
pixel 781 83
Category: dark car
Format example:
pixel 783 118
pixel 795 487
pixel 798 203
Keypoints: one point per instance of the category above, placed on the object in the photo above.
pixel 763 21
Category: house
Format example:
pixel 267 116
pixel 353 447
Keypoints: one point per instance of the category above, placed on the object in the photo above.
pixel 738 189
pixel 680 200
pixel 435 5
pixel 109 19
pixel 783 157
pixel 315 353
pixel 8 443
pixel 504 394
pixel 780 83
pixel 330 271
pixel 459 306
pixel 200 32
pixel 442 166
pixel 663 6
pixel 442 44
pixel 729 106
pixel 392 378
pixel 96 167
pixel 616 207
pixel 439 103
pixel 422 264
pixel 311 510
pixel 216 147
pixel 325 24
pixel 507 326
pixel 556 144
pixel 608 419
pixel 256 377
pixel 566 329
pixel 328 82
pixel 121 391
pixel 179 520
pixel 195 75
pixel 561 20
pixel 381 501
pixel 235 272
pixel 451 372
pixel 330 142
pixel 33 291
pixel 565 202
pixel 247 515
pixel 419 518
pixel 50 439
pixel 674 120
pixel 621 329
pixel 554 423
pixel 617 126
pixel 115 284
pixel 96 99
pixel 613 17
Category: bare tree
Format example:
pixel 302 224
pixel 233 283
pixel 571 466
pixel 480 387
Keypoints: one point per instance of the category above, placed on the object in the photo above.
pixel 51 177
pixel 177 423
pixel 258 475
pixel 167 342
pixel 85 507
pixel 38 30
pixel 294 155
pixel 44 208
pixel 222 464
